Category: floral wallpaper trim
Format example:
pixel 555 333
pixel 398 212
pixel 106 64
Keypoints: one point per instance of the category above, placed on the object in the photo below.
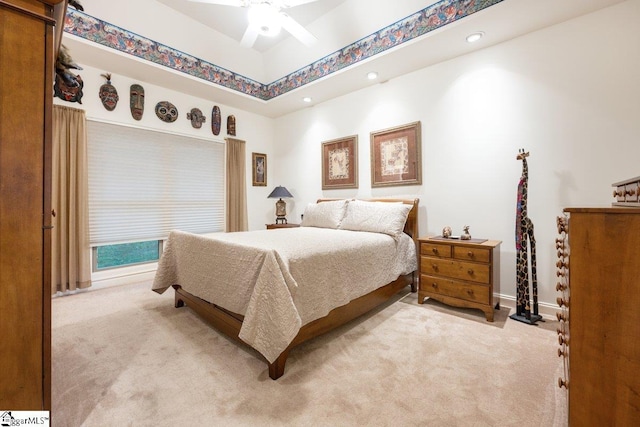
pixel 422 22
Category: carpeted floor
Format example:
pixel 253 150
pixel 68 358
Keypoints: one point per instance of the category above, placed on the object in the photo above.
pixel 124 356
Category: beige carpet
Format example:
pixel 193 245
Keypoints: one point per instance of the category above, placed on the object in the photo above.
pixel 125 356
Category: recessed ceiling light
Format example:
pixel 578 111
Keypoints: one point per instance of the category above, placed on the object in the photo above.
pixel 474 37
pixel 306 99
pixel 372 75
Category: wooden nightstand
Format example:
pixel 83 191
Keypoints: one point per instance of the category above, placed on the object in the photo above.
pixel 274 226
pixel 460 273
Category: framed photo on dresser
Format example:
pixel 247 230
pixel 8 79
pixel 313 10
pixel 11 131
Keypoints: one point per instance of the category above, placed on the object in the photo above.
pixel 340 163
pixel 396 158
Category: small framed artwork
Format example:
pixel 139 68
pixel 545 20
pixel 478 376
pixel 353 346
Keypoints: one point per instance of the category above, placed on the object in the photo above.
pixel 340 163
pixel 396 156
pixel 259 162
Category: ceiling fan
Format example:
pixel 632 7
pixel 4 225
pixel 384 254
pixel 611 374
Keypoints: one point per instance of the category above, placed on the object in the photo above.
pixel 266 18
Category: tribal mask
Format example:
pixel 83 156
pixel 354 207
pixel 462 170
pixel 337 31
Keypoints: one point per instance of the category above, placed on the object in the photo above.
pixel 166 111
pixel 136 101
pixel 108 94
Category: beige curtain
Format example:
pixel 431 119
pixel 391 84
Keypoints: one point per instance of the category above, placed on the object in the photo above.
pixel 236 186
pixel 70 254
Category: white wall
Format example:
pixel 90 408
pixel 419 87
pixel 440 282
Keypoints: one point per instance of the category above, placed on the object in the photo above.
pixel 569 94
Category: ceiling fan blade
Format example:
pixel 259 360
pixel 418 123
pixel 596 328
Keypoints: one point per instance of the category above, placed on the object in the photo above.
pixel 249 37
pixel 238 3
pixel 297 30
pixel 292 3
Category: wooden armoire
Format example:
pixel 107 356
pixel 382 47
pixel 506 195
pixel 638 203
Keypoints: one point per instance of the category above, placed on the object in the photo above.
pixel 28 45
pixel 599 335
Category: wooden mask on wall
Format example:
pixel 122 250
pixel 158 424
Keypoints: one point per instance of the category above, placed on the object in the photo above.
pixel 231 125
pixel 108 93
pixel 136 101
pixel 166 111
pixel 69 89
pixel 196 117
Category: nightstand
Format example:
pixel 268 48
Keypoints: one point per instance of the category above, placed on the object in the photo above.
pixel 274 226
pixel 461 273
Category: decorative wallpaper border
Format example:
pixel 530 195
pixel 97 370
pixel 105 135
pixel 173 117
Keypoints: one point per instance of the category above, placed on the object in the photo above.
pixel 422 22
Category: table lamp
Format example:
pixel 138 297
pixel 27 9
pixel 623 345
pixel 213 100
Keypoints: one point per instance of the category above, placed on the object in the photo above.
pixel 281 206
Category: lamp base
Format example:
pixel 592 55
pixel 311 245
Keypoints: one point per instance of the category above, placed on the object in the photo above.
pixel 281 220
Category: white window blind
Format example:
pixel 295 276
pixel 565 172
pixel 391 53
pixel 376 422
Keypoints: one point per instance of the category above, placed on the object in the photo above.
pixel 143 184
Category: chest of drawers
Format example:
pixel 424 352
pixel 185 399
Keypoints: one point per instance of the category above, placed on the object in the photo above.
pixel 460 273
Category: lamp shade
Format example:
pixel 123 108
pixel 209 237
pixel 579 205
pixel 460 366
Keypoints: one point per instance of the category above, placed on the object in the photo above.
pixel 279 192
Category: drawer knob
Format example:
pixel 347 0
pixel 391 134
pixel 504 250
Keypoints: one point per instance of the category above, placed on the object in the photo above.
pixel 561 317
pixel 618 193
pixel 560 273
pixel 562 264
pixel 630 192
pixel 434 250
pixel 470 272
pixel 470 292
pixel 562 302
pixel 562 340
pixel 434 285
pixel 562 383
pixel 562 353
pixel 560 287
pixel 470 254
pixel 434 266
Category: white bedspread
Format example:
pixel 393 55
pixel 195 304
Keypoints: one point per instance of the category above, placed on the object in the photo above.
pixel 282 279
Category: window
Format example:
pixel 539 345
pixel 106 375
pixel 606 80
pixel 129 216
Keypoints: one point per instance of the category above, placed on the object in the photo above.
pixel 126 254
pixel 143 184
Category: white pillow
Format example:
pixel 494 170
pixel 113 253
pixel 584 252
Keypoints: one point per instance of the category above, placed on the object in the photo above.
pixel 324 214
pixel 376 217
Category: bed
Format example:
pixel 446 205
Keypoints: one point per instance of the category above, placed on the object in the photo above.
pixel 274 289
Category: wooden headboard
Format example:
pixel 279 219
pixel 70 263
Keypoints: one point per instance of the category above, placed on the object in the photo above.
pixel 411 226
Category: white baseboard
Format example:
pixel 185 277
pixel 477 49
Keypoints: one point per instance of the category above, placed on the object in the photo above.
pixel 116 277
pixel 546 310
pixel 127 279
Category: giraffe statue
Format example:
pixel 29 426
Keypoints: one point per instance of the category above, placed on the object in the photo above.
pixel 524 240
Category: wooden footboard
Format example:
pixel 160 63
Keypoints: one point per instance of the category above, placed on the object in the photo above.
pixel 230 323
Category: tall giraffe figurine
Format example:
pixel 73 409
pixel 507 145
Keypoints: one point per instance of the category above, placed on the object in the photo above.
pixel 524 240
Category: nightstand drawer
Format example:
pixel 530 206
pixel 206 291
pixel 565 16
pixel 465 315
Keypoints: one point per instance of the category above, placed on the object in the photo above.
pixel 462 270
pixel 436 250
pixel 472 254
pixel 454 289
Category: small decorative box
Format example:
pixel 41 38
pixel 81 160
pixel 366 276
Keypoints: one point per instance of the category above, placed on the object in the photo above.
pixel 627 192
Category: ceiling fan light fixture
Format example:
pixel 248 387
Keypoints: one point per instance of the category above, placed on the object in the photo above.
pixel 265 18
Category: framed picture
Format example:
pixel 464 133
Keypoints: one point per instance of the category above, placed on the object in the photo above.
pixel 259 162
pixel 340 163
pixel 396 156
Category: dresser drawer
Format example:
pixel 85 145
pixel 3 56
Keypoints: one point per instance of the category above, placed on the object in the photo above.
pixel 472 254
pixel 435 250
pixel 462 270
pixel 451 288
